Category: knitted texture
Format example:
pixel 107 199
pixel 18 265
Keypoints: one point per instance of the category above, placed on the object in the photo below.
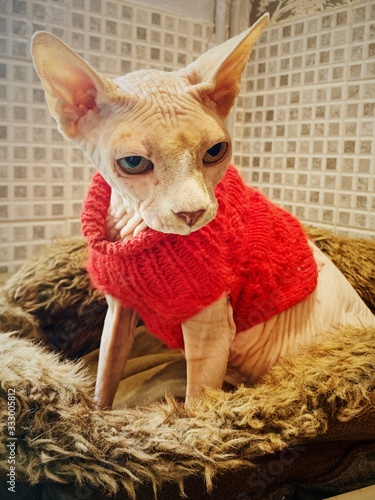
pixel 253 250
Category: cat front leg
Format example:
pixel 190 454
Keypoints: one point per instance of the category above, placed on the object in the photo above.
pixel 120 323
pixel 208 337
pixel 115 345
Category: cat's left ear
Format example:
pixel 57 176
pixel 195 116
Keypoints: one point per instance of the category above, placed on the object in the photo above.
pixel 217 73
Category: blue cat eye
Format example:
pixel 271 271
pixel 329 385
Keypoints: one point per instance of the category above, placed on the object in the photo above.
pixel 135 164
pixel 215 153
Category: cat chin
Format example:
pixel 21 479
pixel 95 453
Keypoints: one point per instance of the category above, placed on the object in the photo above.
pixel 180 229
pixel 170 229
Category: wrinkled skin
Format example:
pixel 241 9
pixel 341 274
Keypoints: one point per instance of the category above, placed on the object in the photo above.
pixel 171 127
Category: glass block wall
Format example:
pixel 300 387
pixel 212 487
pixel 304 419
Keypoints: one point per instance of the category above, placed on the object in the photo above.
pixel 303 126
pixel 305 122
pixel 43 179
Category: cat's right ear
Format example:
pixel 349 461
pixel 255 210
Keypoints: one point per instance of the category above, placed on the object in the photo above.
pixel 73 89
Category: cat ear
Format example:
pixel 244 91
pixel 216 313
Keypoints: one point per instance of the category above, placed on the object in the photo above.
pixel 73 89
pixel 216 74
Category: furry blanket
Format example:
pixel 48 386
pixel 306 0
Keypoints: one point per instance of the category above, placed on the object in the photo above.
pixel 248 443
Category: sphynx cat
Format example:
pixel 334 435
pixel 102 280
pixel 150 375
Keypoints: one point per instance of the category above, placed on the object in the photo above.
pixel 159 140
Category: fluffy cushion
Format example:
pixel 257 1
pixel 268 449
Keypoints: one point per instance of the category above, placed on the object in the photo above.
pixel 249 443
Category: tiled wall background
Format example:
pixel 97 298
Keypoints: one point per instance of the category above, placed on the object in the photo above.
pixel 43 179
pixel 305 124
pixel 303 129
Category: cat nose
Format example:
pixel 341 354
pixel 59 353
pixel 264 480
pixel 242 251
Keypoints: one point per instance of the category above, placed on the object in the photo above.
pixel 190 218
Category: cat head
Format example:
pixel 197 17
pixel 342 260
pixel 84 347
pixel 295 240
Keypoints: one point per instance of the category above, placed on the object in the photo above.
pixel 158 138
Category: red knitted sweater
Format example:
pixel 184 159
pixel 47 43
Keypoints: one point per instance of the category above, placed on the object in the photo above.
pixel 253 250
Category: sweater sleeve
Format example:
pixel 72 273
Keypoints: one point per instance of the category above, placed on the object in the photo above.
pixel 95 209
